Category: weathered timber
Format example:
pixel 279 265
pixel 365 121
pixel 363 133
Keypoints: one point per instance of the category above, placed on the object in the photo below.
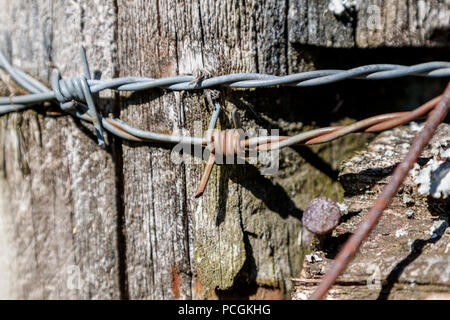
pixel 126 218
pixel 370 24
pixel 58 207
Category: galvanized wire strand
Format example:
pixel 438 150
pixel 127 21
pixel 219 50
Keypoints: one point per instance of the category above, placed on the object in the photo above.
pixel 70 92
pixel 214 117
pixel 76 97
pixel 12 108
pixel 239 80
pixel 21 77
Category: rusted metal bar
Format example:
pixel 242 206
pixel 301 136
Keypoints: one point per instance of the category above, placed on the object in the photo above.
pixel 373 124
pixel 415 114
pixel 381 122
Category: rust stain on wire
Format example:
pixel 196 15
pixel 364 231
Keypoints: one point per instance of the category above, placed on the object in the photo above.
pixel 351 247
pixel 372 124
pixel 227 142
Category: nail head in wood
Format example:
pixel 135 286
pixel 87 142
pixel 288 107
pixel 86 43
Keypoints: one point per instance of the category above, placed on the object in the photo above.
pixel 321 215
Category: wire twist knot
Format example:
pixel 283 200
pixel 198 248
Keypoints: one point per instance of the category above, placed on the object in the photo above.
pixel 73 92
pixel 68 91
pixel 226 142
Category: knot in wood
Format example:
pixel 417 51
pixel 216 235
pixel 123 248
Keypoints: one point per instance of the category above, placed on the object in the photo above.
pixel 226 142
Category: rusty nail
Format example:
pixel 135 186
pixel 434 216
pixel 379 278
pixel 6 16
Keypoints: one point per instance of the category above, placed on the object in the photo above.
pixel 321 216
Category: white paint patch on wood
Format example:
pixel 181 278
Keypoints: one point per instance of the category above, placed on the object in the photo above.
pixel 434 178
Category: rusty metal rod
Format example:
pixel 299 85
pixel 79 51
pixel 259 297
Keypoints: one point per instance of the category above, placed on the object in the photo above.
pixel 351 247
pixel 373 124
pixel 205 177
pixel 414 114
pixel 356 127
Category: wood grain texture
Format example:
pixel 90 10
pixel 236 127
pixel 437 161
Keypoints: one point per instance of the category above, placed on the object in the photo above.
pixel 242 234
pixel 61 210
pixel 199 245
pixel 403 23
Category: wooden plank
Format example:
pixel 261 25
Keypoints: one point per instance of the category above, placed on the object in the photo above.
pixel 58 187
pixel 409 23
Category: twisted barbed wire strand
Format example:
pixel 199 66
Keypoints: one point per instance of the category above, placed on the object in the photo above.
pixel 72 97
pixel 75 97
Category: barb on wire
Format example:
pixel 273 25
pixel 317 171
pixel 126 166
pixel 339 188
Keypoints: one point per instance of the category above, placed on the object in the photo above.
pixel 233 142
pixel 75 96
pixel 352 245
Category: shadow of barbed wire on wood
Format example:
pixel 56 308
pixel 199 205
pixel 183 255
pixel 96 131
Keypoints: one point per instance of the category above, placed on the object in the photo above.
pixel 273 195
pixel 224 176
pixel 248 176
pixel 244 285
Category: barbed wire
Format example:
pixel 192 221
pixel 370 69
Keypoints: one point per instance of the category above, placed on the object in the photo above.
pixel 76 96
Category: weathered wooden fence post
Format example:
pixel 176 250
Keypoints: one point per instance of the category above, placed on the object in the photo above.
pixel 77 221
pixel 58 187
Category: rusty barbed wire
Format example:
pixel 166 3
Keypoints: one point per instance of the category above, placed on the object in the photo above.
pixel 233 142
